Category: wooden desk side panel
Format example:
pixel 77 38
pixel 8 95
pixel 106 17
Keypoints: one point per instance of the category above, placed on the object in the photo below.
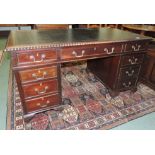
pixel 106 69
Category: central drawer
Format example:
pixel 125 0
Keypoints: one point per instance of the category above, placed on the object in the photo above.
pixel 89 51
pixel 42 102
pixel 40 88
pixel 38 74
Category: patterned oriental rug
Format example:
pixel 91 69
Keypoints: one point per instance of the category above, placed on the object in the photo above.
pixel 86 104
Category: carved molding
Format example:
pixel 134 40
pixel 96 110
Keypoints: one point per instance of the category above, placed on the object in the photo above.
pixel 47 46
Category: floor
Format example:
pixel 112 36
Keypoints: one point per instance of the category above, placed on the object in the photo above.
pixel 146 122
pixel 4 76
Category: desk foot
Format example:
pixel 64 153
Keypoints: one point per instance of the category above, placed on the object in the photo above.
pixel 114 93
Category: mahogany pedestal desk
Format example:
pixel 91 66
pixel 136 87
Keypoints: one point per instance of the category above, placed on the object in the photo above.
pixel 113 55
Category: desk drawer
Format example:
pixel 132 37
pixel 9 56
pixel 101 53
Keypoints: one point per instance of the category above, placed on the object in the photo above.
pixel 42 102
pixel 129 72
pixel 38 74
pixel 136 46
pixel 125 84
pixel 92 51
pixel 40 88
pixel 36 57
pixel 109 49
pixel 132 59
pixel 75 53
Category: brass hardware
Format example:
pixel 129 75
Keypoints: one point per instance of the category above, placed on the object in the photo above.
pixel 136 47
pixel 43 105
pixel 130 74
pixel 32 57
pixel 108 52
pixel 127 85
pixel 43 56
pixel 41 92
pixel 133 61
pixel 38 78
pixel 78 56
pixel 38 104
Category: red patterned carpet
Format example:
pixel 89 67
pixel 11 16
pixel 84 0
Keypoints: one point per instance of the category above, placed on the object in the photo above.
pixel 86 104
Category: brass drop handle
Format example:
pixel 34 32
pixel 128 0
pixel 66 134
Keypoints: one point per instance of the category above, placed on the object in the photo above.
pixel 130 74
pixel 41 92
pixel 136 47
pixel 34 75
pixel 43 56
pixel 109 52
pixel 43 105
pixel 133 61
pixel 127 85
pixel 78 56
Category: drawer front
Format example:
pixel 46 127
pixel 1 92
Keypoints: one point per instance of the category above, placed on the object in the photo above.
pixel 125 84
pixel 109 49
pixel 42 102
pixel 92 51
pixel 132 59
pixel 129 72
pixel 38 74
pixel 40 88
pixel 135 46
pixel 36 57
pixel 75 53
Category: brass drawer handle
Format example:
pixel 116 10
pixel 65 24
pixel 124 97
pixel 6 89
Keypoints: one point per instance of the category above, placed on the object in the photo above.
pixel 78 56
pixel 43 56
pixel 130 74
pixel 127 85
pixel 109 52
pixel 133 61
pixel 41 92
pixel 43 105
pixel 38 78
pixel 136 47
